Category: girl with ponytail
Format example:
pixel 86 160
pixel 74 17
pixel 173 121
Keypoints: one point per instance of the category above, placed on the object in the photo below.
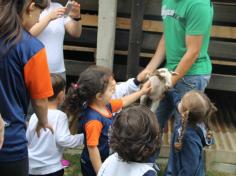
pixel 90 100
pixel 186 155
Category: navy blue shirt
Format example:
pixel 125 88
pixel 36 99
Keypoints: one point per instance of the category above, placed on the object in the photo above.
pixel 21 71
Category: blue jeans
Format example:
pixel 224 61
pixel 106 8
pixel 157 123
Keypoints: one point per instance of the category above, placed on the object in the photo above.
pixel 167 106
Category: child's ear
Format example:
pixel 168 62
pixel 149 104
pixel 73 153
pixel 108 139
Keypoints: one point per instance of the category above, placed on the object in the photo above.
pixel 31 7
pixel 99 96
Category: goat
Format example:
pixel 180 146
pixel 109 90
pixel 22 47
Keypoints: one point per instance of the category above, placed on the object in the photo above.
pixel 160 83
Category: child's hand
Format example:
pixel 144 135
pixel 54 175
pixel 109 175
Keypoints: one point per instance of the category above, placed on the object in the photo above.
pixel 146 88
pixel 1 131
pixel 75 11
pixel 56 13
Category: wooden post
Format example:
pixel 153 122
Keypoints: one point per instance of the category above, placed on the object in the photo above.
pixel 106 32
pixel 135 37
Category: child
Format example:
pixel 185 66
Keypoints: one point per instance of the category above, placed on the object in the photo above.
pixel 135 138
pixel 45 151
pixel 186 155
pixel 90 100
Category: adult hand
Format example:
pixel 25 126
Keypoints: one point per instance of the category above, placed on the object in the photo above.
pixel 1 131
pixel 56 13
pixel 142 76
pixel 43 126
pixel 75 11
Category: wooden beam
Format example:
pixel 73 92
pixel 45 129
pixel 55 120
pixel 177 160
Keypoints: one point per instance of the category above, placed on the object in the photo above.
pixel 217 82
pixel 106 33
pixel 149 55
pixel 156 26
pixel 135 37
pixel 222 82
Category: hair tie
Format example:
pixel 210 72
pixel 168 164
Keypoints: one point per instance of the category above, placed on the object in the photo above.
pixel 75 85
pixel 85 105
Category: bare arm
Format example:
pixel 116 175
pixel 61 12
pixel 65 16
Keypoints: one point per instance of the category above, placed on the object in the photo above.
pixel 1 131
pixel 74 28
pixel 193 44
pixel 40 107
pixel 158 57
pixel 95 158
pixel 42 24
pixel 127 100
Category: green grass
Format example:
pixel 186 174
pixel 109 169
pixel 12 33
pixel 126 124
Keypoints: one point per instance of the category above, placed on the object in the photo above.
pixel 74 169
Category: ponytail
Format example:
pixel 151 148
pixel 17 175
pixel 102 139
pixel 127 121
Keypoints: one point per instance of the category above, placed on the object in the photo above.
pixel 179 144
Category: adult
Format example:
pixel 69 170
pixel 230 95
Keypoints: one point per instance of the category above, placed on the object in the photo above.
pixel 24 74
pixel 183 45
pixel 50 30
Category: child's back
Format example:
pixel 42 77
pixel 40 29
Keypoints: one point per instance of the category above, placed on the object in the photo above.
pixel 186 154
pixel 45 151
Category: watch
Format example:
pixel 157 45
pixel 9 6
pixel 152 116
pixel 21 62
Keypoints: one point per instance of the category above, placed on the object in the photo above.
pixel 77 19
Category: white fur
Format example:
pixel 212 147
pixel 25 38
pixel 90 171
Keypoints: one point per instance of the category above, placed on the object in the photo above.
pixel 160 83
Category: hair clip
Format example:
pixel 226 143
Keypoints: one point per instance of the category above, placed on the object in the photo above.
pixel 75 85
pixel 85 105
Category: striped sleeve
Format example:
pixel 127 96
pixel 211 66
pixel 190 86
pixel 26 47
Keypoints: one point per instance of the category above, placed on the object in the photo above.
pixel 37 76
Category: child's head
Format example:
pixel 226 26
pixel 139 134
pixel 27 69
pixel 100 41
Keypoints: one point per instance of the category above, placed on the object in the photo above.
pixel 195 107
pixel 14 15
pixel 59 86
pixel 135 134
pixel 31 12
pixel 96 83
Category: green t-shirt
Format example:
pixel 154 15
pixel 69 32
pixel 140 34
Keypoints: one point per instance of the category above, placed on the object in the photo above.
pixel 183 18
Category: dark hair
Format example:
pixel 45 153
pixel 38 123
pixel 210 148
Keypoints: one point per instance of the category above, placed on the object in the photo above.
pixel 135 134
pixel 11 23
pixel 58 85
pixel 93 80
pixel 196 108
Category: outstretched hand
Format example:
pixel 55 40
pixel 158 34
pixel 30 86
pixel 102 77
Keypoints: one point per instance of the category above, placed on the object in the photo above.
pixel 146 88
pixel 43 126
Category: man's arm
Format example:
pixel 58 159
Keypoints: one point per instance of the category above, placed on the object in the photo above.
pixel 193 45
pixel 1 131
pixel 158 57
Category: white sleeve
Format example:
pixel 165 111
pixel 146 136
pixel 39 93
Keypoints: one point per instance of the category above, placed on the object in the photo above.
pixel 125 88
pixel 63 135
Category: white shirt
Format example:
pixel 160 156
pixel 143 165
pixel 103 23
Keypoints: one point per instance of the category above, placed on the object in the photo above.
pixel 125 88
pixel 45 152
pixel 53 37
pixel 114 166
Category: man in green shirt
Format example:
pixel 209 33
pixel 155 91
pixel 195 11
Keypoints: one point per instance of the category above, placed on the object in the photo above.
pixel 184 44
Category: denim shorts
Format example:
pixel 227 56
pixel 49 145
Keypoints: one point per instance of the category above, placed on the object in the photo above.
pixel 167 107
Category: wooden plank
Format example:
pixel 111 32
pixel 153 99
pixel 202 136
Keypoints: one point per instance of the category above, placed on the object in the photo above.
pixel 222 82
pixel 223 12
pixel 217 49
pixel 217 82
pixel 156 26
pixel 141 54
pixel 135 37
pixel 106 33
